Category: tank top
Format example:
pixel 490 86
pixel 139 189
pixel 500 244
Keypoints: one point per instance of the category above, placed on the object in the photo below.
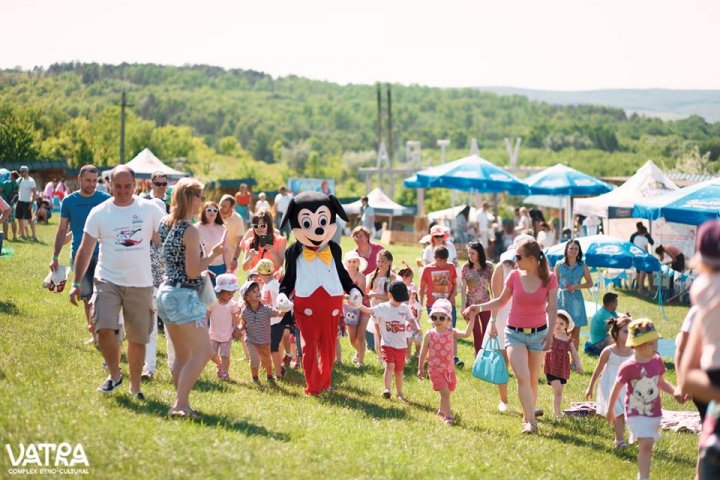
pixel 173 251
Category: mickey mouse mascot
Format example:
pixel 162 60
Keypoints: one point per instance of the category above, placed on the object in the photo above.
pixel 315 272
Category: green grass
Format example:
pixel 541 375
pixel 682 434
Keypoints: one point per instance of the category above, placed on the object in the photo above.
pixel 47 394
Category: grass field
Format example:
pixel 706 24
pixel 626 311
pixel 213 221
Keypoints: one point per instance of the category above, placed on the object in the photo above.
pixel 48 378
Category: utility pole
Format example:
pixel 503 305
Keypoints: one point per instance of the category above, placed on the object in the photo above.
pixel 123 104
pixel 379 115
pixel 389 125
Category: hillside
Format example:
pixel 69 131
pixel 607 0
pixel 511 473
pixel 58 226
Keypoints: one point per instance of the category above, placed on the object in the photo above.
pixel 237 123
pixel 655 102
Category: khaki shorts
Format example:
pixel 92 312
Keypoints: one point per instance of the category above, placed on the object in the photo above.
pixel 137 308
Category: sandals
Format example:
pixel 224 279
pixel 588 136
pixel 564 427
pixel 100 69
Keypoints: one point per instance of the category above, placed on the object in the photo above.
pixel 189 414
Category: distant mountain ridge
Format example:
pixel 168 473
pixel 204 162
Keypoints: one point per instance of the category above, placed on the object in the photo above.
pixel 654 102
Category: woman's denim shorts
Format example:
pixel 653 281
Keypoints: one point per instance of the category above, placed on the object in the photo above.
pixel 533 341
pixel 178 306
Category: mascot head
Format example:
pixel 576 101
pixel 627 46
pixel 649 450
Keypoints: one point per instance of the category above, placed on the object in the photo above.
pixel 312 218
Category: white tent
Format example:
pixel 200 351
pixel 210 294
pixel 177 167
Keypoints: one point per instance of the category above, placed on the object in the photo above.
pixel 382 204
pixel 451 213
pixel 648 181
pixel 146 163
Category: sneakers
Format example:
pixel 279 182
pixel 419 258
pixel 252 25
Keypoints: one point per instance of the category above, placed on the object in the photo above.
pixel 539 412
pixel 620 444
pixel 529 428
pixel 401 398
pixel 459 363
pixel 386 394
pixel 147 376
pixel 138 396
pixel 448 420
pixel 108 386
pixel 502 407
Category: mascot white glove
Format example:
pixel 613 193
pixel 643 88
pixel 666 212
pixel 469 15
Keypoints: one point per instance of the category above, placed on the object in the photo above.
pixel 355 298
pixel 283 303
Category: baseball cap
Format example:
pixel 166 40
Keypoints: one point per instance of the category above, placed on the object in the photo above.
pixel 247 286
pixel 265 267
pixel 226 282
pixel 399 291
pixel 24 168
pixel 441 305
pixel 641 331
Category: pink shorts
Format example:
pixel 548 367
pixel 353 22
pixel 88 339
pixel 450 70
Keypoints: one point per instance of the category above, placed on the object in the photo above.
pixel 221 348
pixel 443 380
pixel 395 356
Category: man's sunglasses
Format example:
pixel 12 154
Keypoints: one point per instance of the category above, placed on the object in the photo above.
pixel 438 318
pixel 160 184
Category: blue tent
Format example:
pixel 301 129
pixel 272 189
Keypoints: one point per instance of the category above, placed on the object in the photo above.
pixel 563 180
pixel 609 252
pixel 412 182
pixel 691 205
pixel 469 173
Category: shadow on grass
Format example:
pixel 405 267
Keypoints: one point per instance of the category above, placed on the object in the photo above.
pixel 374 410
pixel 575 433
pixel 9 308
pixel 160 409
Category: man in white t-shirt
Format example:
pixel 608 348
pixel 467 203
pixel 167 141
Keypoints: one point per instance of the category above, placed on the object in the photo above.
pixel 483 224
pixel 280 205
pixel 124 226
pixel 26 196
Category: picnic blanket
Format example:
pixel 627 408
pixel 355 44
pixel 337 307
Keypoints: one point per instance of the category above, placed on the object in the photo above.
pixel 675 420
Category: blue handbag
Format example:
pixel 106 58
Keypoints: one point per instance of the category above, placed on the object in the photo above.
pixel 489 364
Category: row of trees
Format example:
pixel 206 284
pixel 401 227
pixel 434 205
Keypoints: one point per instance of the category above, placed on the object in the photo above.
pixel 234 122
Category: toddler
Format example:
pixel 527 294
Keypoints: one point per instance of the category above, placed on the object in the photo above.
pixel 279 332
pixel 223 317
pixel 255 321
pixel 437 350
pixel 557 360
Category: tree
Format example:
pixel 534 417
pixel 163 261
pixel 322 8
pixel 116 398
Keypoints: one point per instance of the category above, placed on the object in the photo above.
pixel 17 138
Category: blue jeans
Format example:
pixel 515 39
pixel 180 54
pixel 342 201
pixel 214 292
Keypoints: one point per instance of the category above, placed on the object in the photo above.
pixel 178 306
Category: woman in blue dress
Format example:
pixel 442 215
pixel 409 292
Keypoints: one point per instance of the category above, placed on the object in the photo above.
pixel 570 272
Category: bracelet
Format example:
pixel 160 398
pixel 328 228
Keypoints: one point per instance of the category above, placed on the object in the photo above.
pixel 55 258
pixel 76 284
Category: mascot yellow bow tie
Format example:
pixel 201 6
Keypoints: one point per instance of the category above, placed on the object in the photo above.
pixel 325 255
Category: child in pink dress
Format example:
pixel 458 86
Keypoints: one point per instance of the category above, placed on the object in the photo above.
pixel 437 350
pixel 557 360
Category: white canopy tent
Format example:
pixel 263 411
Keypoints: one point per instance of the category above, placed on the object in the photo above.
pixel 146 163
pixel 648 181
pixel 382 204
pixel 450 214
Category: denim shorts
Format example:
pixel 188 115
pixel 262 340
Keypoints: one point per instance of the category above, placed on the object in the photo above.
pixel 533 341
pixel 178 306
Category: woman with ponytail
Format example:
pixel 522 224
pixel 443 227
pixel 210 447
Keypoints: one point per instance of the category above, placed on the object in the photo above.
pixel 533 289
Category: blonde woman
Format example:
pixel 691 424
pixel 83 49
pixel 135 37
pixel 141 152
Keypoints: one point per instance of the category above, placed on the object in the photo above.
pixel 178 301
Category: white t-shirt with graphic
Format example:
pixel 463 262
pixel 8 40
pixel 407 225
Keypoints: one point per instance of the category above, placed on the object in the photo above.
pixel 394 323
pixel 124 235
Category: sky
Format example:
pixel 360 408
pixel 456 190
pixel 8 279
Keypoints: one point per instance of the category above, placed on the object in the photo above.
pixel 540 44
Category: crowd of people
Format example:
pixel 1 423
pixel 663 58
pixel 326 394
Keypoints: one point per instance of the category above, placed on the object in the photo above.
pixel 139 263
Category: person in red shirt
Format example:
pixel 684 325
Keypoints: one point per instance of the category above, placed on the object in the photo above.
pixel 243 201
pixel 439 280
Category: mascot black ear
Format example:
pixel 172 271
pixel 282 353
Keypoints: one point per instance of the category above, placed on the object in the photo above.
pixel 337 207
pixel 290 212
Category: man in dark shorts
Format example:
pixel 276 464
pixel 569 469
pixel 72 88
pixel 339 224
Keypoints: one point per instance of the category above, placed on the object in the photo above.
pixel 26 196
pixel 73 214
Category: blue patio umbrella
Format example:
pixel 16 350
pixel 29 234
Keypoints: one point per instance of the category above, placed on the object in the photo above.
pixel 562 180
pixel 609 252
pixel 412 182
pixel 470 173
pixel 691 205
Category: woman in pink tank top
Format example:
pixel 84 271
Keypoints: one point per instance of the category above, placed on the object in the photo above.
pixel 533 289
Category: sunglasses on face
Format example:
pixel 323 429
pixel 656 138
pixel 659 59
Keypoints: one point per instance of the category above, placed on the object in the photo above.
pixel 211 210
pixel 259 225
pixel 160 184
pixel 438 318
pixel 438 236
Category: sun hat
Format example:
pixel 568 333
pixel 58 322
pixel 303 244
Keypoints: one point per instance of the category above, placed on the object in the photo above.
pixel 641 331
pixel 439 230
pixel 508 255
pixel 399 291
pixel 707 244
pixel 265 267
pixel 226 282
pixel 247 286
pixel 443 306
pixel 353 255
pixel 522 238
pixel 568 319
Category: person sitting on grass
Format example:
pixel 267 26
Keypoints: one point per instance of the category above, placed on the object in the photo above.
pixel 392 320
pixel 599 338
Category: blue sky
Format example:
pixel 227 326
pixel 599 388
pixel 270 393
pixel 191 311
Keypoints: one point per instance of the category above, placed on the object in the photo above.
pixel 544 44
